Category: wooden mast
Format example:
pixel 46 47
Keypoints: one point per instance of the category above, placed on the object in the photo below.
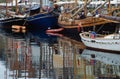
pixel 6 8
pixel 80 9
pixel 40 5
pixel 75 2
pixel 16 6
pixel 109 6
pixel 85 8
pixel 99 7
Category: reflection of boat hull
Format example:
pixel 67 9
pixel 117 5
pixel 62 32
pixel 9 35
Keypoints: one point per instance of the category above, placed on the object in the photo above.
pixel 43 21
pixel 104 57
pixel 41 36
pixel 104 43
pixel 54 30
pixel 55 34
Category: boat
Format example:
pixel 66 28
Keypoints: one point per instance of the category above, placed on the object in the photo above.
pixel 69 20
pixel 43 20
pixel 6 22
pixel 9 17
pixel 104 41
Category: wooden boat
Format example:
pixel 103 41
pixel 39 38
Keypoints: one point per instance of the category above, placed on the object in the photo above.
pixel 99 19
pixel 9 18
pixel 43 20
pixel 67 20
pixel 11 21
pixel 92 21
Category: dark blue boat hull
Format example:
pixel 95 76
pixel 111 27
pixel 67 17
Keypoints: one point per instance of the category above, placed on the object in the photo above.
pixel 7 23
pixel 43 21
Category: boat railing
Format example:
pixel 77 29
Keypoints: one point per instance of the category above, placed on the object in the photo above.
pixel 89 35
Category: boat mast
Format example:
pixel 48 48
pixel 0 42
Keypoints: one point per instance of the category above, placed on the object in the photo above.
pixel 6 8
pixel 109 6
pixel 80 9
pixel 75 2
pixel 40 5
pixel 16 6
pixel 85 8
pixel 99 7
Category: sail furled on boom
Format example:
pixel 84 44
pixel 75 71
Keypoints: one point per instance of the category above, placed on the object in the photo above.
pixel 114 18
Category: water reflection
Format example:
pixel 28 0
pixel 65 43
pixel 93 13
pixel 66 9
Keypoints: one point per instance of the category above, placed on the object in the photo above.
pixel 23 58
pixel 102 64
pixel 36 55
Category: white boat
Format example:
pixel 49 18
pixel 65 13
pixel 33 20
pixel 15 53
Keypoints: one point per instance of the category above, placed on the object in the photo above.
pixel 109 42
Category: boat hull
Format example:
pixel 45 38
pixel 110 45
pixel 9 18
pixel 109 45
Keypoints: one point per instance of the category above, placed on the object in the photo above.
pixel 103 44
pixel 7 23
pixel 42 21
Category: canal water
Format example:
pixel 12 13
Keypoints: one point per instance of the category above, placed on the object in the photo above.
pixel 37 55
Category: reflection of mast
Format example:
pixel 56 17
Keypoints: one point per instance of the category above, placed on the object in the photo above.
pixel 40 61
pixel 46 61
pixel 16 61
